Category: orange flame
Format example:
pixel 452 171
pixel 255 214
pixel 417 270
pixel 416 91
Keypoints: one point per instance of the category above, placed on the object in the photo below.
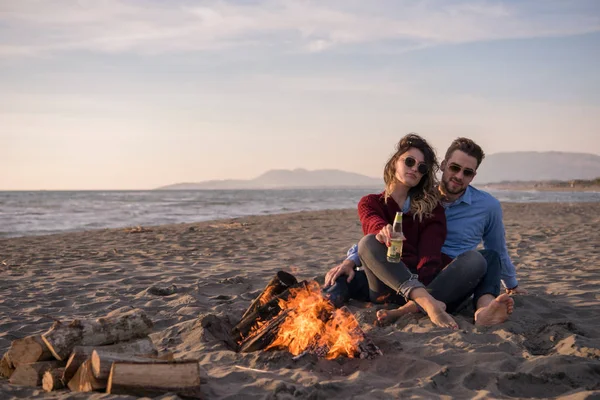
pixel 314 325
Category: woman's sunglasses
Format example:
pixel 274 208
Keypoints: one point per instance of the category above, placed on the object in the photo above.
pixel 410 162
pixel 467 172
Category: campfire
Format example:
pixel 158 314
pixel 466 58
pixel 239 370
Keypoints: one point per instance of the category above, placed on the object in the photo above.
pixel 294 316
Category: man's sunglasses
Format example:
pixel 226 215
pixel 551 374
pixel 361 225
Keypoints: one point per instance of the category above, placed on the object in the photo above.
pixel 467 172
pixel 411 161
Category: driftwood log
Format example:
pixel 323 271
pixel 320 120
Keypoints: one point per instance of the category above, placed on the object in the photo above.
pixel 52 380
pixel 32 374
pixel 84 380
pixel 28 350
pixel 102 360
pixel 63 337
pixel 152 379
pixel 280 282
pixel 6 367
pixel 262 313
pixel 75 360
pixel 143 346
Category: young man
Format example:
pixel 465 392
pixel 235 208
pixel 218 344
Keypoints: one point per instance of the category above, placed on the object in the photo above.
pixel 472 216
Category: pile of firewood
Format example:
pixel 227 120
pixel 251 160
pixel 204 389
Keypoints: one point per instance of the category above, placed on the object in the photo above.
pixel 113 354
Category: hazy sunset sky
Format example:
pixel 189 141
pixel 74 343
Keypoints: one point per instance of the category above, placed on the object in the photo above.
pixel 139 94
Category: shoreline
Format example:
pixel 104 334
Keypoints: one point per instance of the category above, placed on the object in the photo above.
pixel 149 226
pixel 551 343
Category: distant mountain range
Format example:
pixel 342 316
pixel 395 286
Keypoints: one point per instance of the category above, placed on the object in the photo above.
pixel 283 178
pixel 499 167
pixel 538 166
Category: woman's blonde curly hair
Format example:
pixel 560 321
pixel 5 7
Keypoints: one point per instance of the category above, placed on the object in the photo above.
pixel 424 197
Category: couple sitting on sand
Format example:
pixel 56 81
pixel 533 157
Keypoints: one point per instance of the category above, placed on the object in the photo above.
pixel 443 224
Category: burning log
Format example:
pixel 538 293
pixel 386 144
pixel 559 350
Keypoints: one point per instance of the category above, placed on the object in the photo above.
pixel 62 338
pixel 265 335
pixel 31 374
pixel 52 380
pixel 152 379
pixel 28 350
pixel 262 313
pixel 140 347
pixel 280 282
pixel 84 380
pixel 6 367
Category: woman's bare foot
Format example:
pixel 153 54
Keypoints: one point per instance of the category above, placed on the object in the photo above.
pixel 442 319
pixel 386 317
pixel 496 312
pixel 432 307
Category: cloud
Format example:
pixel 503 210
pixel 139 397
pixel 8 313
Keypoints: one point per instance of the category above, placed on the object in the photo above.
pixel 37 27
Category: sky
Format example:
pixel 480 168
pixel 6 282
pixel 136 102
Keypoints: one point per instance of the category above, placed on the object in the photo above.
pixel 114 94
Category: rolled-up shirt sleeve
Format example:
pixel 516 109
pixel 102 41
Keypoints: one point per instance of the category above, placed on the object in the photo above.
pixel 494 238
pixel 352 255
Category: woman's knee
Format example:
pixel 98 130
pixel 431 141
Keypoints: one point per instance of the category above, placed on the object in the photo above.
pixel 368 245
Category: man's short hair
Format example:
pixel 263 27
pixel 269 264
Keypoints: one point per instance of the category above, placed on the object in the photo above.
pixel 466 146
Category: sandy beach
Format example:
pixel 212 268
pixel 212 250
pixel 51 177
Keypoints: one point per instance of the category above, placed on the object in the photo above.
pixel 550 347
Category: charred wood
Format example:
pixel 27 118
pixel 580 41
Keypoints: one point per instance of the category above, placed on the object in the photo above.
pixel 265 335
pixel 262 313
pixel 280 282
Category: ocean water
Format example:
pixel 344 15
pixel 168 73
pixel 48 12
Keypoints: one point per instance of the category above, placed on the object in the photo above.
pixel 45 212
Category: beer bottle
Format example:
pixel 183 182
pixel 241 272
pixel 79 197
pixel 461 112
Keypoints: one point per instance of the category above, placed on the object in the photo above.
pixel 394 253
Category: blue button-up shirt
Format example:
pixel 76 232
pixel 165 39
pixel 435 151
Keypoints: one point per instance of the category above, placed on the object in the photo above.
pixel 473 218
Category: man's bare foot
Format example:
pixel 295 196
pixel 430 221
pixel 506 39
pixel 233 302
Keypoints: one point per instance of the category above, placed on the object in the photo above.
pixel 496 312
pixel 386 317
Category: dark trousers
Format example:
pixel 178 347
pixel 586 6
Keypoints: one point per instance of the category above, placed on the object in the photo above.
pixel 388 282
pixel 473 273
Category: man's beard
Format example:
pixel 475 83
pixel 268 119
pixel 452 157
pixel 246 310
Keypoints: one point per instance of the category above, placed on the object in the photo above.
pixel 447 189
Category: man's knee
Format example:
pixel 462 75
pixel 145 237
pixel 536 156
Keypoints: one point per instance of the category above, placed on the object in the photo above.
pixel 368 245
pixel 491 256
pixel 476 262
pixel 493 260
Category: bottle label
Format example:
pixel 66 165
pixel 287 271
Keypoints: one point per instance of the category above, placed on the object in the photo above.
pixel 394 253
